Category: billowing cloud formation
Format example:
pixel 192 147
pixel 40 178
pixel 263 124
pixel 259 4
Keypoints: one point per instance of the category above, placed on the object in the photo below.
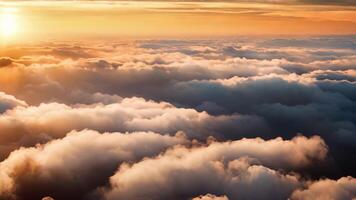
pixel 5 62
pixel 344 188
pixel 210 197
pixel 9 102
pixel 222 168
pixel 47 198
pixel 29 125
pixel 71 167
pixel 215 92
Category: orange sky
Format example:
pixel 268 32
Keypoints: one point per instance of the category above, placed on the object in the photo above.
pixel 173 19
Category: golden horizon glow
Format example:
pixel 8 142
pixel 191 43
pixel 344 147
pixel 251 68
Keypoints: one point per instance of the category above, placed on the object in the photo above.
pixel 108 19
pixel 8 23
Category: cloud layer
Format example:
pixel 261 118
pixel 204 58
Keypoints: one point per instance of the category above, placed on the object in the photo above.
pixel 179 119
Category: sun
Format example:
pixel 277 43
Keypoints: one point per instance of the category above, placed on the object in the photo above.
pixel 8 22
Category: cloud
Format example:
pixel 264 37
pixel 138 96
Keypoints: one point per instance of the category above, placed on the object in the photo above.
pixel 215 92
pixel 82 165
pixel 71 167
pixel 323 2
pixel 4 61
pixel 47 198
pixel 8 102
pixel 210 197
pixel 236 169
pixel 344 188
pixel 29 125
pixel 257 80
pixel 315 42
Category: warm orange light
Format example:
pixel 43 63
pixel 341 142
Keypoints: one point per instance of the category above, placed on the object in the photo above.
pixel 8 22
pixel 113 19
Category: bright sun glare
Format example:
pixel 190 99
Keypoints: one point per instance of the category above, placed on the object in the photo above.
pixel 8 22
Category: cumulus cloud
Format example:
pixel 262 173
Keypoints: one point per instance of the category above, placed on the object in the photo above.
pixel 8 102
pixel 29 125
pixel 210 197
pixel 47 198
pixel 4 62
pixel 71 167
pixel 237 169
pixel 82 165
pixel 344 188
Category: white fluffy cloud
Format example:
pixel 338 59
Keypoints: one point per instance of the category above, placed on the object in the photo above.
pixel 342 189
pixel 73 166
pixel 32 124
pixel 239 169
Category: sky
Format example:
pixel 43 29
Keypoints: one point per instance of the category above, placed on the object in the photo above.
pixel 103 19
pixel 178 100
